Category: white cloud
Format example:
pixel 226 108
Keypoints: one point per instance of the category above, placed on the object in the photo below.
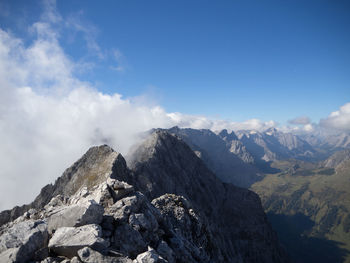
pixel 302 120
pixel 339 119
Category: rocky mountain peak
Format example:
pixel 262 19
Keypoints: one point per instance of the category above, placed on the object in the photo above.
pixel 228 136
pixel 168 207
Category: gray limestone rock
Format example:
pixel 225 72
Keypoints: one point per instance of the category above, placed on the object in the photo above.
pixel 88 255
pixel 97 165
pixel 21 242
pixel 150 256
pixel 66 241
pixel 84 213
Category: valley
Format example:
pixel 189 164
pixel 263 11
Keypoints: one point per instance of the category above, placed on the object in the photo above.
pixel 309 207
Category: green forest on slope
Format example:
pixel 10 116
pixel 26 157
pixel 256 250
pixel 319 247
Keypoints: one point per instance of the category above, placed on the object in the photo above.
pixel 308 205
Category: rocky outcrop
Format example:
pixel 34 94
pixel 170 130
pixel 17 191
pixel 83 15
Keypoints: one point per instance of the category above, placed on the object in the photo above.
pixel 168 208
pixel 93 168
pixel 23 241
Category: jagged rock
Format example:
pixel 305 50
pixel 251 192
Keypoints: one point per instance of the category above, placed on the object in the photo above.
pixel 128 240
pixel 143 221
pixel 122 209
pixel 88 255
pixel 189 236
pixel 150 256
pixel 120 188
pixel 84 213
pixel 66 241
pixel 21 242
pixel 166 252
pixel 92 169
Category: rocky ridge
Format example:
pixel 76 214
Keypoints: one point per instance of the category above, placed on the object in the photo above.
pixel 167 208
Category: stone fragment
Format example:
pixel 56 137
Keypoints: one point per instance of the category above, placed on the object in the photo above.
pixel 88 255
pixel 150 256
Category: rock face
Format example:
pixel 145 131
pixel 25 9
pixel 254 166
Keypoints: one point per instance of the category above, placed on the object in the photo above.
pixel 165 164
pixel 169 207
pixel 337 159
pixel 236 146
pixel 230 162
pixel 272 145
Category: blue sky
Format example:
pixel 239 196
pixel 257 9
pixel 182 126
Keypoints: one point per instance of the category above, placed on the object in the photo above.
pixel 237 60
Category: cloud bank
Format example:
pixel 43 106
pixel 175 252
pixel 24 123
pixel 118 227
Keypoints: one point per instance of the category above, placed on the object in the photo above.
pixel 49 117
pixel 339 119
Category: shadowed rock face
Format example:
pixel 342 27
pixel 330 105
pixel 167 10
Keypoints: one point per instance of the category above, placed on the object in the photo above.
pixel 193 217
pixel 222 154
pixel 165 164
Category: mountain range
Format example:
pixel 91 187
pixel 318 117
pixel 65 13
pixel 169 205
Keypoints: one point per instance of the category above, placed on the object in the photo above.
pixel 188 195
pixel 165 205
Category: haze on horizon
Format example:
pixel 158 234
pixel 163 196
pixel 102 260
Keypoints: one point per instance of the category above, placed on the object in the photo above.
pixel 78 74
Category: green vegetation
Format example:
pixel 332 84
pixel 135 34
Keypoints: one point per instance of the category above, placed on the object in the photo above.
pixel 309 207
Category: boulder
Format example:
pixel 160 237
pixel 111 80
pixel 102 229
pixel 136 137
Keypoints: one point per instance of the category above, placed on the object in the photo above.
pixel 21 242
pixel 88 255
pixel 68 240
pixel 150 256
pixel 124 207
pixel 121 189
pixel 83 213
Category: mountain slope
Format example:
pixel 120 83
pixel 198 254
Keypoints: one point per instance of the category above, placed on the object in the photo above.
pixel 308 205
pixel 272 145
pixel 163 163
pixel 168 208
pixel 218 157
